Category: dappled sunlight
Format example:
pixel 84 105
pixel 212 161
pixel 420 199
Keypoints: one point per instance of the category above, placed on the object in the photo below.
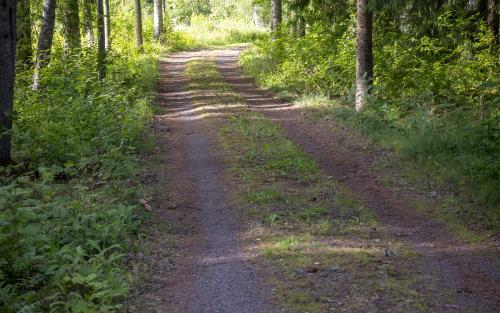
pixel 234 257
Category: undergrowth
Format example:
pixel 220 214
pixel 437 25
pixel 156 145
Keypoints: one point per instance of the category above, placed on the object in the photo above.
pixel 69 213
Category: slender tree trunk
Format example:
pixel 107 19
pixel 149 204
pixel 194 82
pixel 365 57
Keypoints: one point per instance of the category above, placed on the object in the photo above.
pixel 24 48
pixel 71 24
pixel 101 41
pixel 162 22
pixel 138 24
pixel 107 25
pixel 255 16
pixel 364 54
pixel 87 22
pixel 7 74
pixel 44 39
pixel 492 17
pixel 158 19
pixel 277 14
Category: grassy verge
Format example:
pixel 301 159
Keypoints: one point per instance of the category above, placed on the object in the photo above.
pixel 70 218
pixel 323 251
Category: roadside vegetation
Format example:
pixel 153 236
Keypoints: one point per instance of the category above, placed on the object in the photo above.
pixel 434 97
pixel 70 217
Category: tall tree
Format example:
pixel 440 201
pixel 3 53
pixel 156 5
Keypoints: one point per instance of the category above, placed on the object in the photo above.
pixel 107 25
pixel 158 19
pixel 88 21
pixel 492 17
pixel 277 14
pixel 101 38
pixel 71 24
pixel 24 47
pixel 364 53
pixel 7 74
pixel 44 39
pixel 138 24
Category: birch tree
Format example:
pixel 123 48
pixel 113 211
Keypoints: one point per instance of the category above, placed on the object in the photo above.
pixel 44 39
pixel 107 25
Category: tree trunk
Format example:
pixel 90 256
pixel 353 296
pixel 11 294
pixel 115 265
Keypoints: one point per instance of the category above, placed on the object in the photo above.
pixel 71 24
pixel 364 54
pixel 101 38
pixel 138 24
pixel 276 9
pixel 107 25
pixel 158 19
pixel 44 39
pixel 255 16
pixel 87 22
pixel 24 48
pixel 7 74
pixel 492 17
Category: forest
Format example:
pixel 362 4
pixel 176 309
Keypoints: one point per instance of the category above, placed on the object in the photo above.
pixel 249 156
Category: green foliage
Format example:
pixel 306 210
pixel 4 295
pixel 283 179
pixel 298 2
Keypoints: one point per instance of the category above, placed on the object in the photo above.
pixel 76 119
pixel 435 98
pixel 62 245
pixel 69 213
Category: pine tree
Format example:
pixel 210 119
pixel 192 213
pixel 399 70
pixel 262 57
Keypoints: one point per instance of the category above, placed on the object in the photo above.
pixel 71 24
pixel 101 41
pixel 364 53
pixel 138 24
pixel 158 19
pixel 7 74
